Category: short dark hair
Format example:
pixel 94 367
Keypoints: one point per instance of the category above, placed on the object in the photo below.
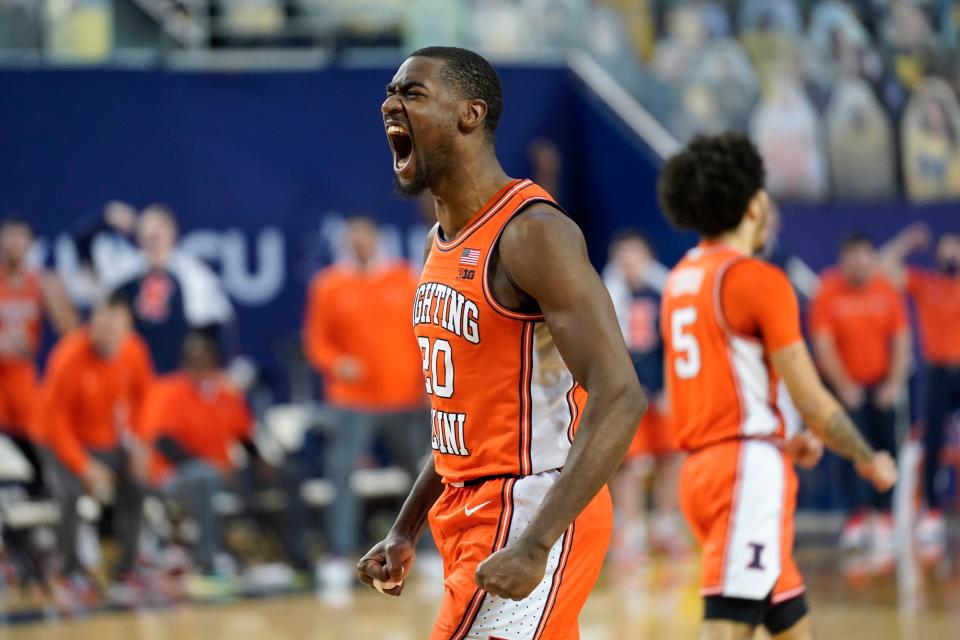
pixel 206 337
pixel 855 239
pixel 471 76
pixel 624 235
pixel 15 220
pixel 116 298
pixel 708 185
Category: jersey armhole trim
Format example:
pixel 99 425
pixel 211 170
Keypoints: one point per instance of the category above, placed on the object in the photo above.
pixel 494 247
pixel 725 325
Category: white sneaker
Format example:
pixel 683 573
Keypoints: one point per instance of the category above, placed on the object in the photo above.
pixel 669 535
pixel 630 543
pixel 335 580
pixel 882 556
pixel 931 534
pixel 855 535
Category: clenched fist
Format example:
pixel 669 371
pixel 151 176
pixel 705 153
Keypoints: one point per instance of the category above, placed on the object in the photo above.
pixel 385 565
pixel 880 471
pixel 514 571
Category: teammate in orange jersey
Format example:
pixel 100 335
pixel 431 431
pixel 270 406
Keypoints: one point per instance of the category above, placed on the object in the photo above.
pixel 731 330
pixel 25 294
pixel 510 318
pixel 93 391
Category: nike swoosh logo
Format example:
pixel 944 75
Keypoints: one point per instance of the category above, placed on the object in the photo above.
pixel 467 510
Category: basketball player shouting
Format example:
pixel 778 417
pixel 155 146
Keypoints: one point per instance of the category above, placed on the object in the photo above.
pixel 511 318
pixel 731 329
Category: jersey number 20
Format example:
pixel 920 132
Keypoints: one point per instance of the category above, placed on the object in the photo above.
pixel 437 366
pixel 687 362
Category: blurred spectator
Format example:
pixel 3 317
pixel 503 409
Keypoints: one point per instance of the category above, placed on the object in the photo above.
pixel 936 294
pixel 862 343
pixel 861 143
pixel 909 40
pixel 840 42
pixel 427 22
pixel 931 142
pixel 194 418
pixel 788 134
pixel 554 23
pixel 720 94
pixel 170 292
pixel 498 28
pixel 635 281
pixel 357 335
pixel 773 53
pixel 781 16
pixel 94 387
pixel 25 295
pixel 638 19
pixel 678 53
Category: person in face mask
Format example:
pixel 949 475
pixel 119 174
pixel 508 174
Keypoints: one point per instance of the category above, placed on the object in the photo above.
pixel 936 295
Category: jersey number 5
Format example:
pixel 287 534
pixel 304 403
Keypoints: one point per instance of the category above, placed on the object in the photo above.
pixel 437 366
pixel 687 362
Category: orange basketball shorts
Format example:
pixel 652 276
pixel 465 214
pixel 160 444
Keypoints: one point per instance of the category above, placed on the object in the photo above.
pixel 18 393
pixel 470 523
pixel 653 436
pixel 739 499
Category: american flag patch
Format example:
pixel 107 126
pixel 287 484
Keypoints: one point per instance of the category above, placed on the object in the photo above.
pixel 470 257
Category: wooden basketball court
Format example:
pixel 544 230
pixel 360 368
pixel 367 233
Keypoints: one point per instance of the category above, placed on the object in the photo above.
pixel 658 601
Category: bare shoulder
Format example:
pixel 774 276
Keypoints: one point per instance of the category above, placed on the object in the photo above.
pixel 541 231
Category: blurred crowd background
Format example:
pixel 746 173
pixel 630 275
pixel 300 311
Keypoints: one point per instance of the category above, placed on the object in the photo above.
pixel 848 100
pixel 205 353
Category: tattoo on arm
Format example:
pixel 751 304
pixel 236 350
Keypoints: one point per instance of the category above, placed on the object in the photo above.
pixel 842 436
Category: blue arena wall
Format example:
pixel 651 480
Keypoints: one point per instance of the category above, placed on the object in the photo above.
pixel 260 166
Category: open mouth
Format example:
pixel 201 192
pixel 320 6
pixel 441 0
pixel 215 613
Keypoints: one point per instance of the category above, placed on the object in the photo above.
pixel 402 145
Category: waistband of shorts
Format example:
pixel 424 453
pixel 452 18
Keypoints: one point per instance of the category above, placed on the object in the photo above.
pixel 476 482
pixel 776 441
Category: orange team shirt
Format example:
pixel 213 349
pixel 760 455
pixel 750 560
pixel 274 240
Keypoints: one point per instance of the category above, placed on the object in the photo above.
pixel 21 313
pixel 203 418
pixel 88 401
pixel 502 399
pixel 937 297
pixel 862 321
pixel 365 315
pixel 722 315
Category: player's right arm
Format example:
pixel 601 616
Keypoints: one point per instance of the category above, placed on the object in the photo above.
pixel 824 416
pixel 392 558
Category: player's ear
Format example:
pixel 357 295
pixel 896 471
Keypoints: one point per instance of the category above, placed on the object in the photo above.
pixel 473 114
pixel 758 205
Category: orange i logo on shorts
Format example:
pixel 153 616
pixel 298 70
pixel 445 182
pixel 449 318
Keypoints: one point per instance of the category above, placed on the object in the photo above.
pixel 502 400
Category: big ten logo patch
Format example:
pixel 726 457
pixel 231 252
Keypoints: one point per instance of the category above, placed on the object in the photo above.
pixel 466 274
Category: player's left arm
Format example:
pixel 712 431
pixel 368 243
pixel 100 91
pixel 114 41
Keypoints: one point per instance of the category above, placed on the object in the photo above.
pixel 60 310
pixel 545 256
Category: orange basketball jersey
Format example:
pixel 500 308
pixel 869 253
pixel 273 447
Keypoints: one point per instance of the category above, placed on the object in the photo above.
pixel 719 379
pixel 21 308
pixel 502 400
